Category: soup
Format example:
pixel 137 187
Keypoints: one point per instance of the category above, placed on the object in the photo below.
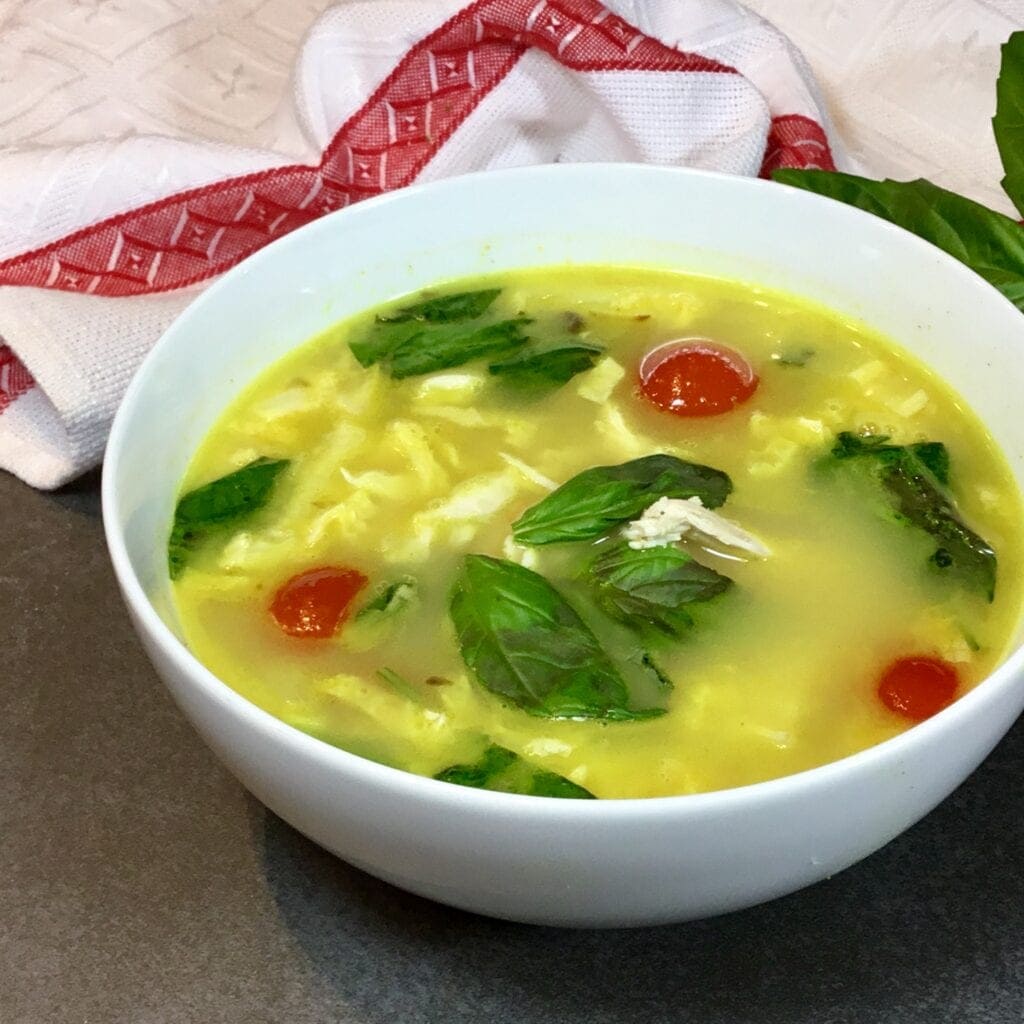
pixel 598 532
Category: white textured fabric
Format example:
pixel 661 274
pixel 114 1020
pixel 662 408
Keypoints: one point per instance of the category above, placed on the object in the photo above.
pixel 104 107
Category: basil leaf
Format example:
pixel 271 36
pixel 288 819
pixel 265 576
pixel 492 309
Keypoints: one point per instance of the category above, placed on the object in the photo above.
pixel 445 309
pixel 651 587
pixel 935 456
pixel 1008 124
pixel 913 476
pixel 543 783
pixel 391 599
pixel 378 344
pixel 503 771
pixel 442 347
pixel 549 368
pixel 597 499
pixel 989 243
pixel 492 763
pixel 525 643
pixel 221 503
pixel 420 321
pixel 794 357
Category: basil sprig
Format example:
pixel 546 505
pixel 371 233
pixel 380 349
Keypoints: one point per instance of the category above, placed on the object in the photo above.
pixel 653 587
pixel 444 309
pixel 215 506
pixel 598 499
pixel 542 369
pixel 914 479
pixel 989 243
pixel 503 771
pixel 445 331
pixel 524 642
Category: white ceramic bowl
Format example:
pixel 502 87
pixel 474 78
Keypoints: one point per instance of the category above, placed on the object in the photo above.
pixel 565 862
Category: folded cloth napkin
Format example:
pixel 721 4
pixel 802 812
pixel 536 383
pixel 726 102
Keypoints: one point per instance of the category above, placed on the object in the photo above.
pixel 104 242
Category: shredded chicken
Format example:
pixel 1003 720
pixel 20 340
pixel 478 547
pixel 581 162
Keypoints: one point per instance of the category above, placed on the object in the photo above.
pixel 670 519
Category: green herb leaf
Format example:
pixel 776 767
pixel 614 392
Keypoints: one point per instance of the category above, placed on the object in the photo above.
pixel 442 347
pixel 913 476
pixel 478 774
pixel 218 505
pixel 794 357
pixel 652 587
pixel 524 642
pixel 503 771
pixel 935 456
pixel 543 783
pixel 377 344
pixel 1008 124
pixel 597 499
pixel 377 620
pixel 445 309
pixel 989 243
pixel 425 324
pixel 549 368
pixel 391 599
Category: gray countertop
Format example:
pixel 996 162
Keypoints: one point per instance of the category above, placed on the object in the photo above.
pixel 140 883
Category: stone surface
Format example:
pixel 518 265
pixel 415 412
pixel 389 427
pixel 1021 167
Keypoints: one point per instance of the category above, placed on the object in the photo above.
pixel 139 884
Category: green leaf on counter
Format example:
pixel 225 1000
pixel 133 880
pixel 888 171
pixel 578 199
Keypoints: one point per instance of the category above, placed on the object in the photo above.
pixel 598 499
pixel 525 643
pixel 445 309
pixel 1008 123
pixel 989 243
pixel 217 505
pixel 653 587
pixel 547 368
pixel 914 477
pixel 503 771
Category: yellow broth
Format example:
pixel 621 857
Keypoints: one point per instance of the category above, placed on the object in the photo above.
pixel 403 478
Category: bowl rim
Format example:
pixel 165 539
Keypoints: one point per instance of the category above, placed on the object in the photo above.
pixel 864 762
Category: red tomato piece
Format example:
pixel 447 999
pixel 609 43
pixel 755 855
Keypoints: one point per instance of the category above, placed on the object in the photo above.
pixel 316 602
pixel 917 688
pixel 696 378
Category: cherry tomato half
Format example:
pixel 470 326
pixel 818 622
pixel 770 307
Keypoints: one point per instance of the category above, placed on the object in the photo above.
pixel 696 377
pixel 316 602
pixel 917 688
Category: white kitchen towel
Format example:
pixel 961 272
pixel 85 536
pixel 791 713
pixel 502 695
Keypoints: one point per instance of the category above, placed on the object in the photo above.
pixel 105 237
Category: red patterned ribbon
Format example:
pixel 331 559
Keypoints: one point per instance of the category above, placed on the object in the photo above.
pixel 15 380
pixel 194 235
pixel 199 233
